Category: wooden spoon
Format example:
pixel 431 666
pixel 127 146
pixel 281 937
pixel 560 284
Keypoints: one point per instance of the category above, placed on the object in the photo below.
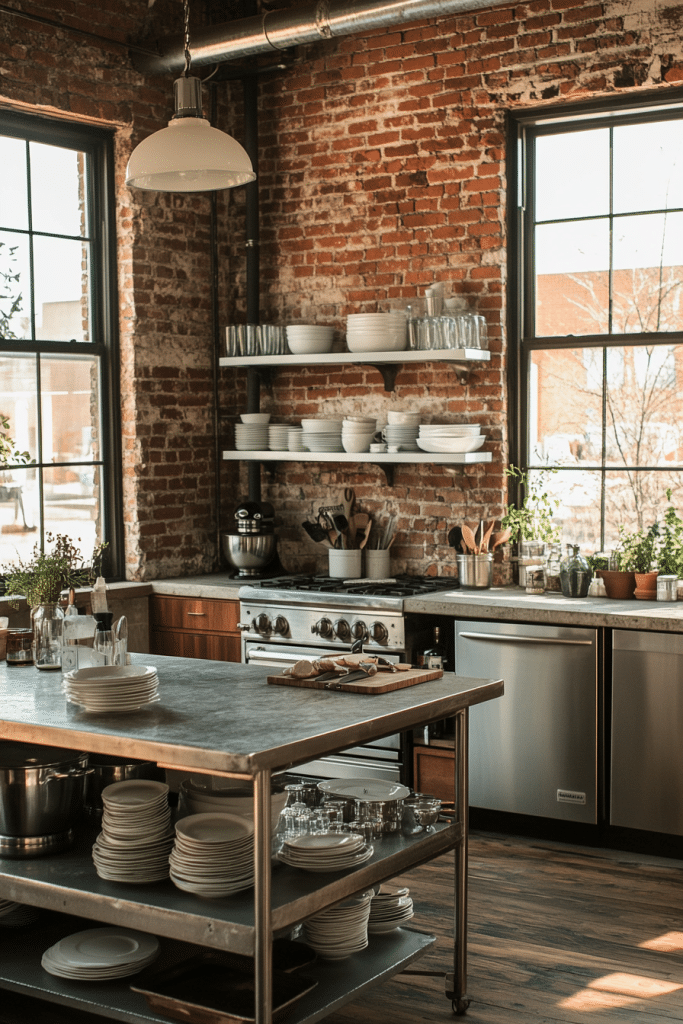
pixel 500 538
pixel 468 537
pixel 485 538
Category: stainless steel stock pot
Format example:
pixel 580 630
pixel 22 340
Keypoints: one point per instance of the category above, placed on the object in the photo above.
pixel 42 789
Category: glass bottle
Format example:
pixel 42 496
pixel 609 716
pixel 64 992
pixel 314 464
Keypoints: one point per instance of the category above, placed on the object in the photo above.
pixel 575 573
pixel 552 568
pixel 48 620
pixel 433 657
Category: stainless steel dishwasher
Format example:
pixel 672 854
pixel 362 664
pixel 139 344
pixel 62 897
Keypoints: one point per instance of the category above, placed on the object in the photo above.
pixel 534 751
pixel 647 725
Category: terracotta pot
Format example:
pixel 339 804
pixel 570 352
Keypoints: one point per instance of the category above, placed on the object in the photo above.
pixel 620 586
pixel 646 585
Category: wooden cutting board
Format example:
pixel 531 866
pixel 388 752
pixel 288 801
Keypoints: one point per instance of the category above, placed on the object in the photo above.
pixel 382 682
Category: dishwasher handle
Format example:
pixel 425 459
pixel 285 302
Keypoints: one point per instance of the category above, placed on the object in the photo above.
pixel 508 637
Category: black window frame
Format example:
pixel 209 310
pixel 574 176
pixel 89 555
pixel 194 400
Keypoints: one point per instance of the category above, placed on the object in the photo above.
pixel 98 143
pixel 522 127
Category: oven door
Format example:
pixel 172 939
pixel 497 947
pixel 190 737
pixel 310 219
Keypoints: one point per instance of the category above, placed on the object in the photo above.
pixel 378 759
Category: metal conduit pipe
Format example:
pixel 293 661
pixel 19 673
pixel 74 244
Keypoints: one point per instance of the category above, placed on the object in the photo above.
pixel 280 30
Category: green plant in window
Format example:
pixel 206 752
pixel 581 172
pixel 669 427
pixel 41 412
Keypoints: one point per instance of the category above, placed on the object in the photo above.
pixel 9 452
pixel 636 551
pixel 669 553
pixel 533 520
pixel 45 574
pixel 9 281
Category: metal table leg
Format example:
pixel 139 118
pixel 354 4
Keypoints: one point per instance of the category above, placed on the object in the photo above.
pixel 263 933
pixel 456 983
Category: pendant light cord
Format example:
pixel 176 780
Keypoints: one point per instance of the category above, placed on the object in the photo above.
pixel 188 56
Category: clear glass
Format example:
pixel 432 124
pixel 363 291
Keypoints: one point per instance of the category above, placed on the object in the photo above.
pixel 644 426
pixel 19 514
pixel 73 499
pixel 47 622
pixel 13 194
pixel 57 190
pixel 572 174
pixel 565 406
pixel 572 278
pixel 62 289
pixel 648 163
pixel 70 409
pixel 18 390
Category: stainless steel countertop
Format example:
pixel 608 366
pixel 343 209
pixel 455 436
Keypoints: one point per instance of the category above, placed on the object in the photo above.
pixel 225 717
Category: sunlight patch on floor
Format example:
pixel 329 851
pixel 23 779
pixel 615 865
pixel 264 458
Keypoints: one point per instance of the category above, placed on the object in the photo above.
pixel 615 990
pixel 670 942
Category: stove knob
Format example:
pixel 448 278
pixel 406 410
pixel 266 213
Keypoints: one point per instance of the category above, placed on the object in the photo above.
pixel 343 630
pixel 379 632
pixel 281 626
pixel 261 624
pixel 359 630
pixel 323 628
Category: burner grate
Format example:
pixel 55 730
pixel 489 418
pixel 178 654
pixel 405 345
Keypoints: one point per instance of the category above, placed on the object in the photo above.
pixel 400 586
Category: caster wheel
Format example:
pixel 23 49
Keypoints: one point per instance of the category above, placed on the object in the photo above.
pixel 460 1005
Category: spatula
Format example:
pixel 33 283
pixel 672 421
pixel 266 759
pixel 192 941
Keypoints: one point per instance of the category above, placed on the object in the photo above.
pixel 487 535
pixel 468 537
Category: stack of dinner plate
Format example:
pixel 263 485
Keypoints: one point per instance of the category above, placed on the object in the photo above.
pixel 322 435
pixel 340 931
pixel 16 915
pixel 450 437
pixel 200 796
pixel 376 332
pixel 213 854
pixel 136 835
pixel 325 851
pixel 100 688
pixel 295 439
pixel 389 911
pixel 251 437
pixel 402 435
pixel 278 436
pixel 98 954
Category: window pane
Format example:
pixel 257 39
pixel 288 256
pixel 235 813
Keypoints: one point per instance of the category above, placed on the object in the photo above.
pixel 57 190
pixel 572 278
pixel 637 500
pixel 579 508
pixel 643 424
pixel 73 498
pixel 648 273
pixel 15 287
pixel 61 290
pixel 565 407
pixel 648 166
pixel 18 400
pixel 13 205
pixel 572 175
pixel 70 408
pixel 19 515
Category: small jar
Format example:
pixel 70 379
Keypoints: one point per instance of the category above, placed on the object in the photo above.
pixel 20 647
pixel 535 579
pixel 667 588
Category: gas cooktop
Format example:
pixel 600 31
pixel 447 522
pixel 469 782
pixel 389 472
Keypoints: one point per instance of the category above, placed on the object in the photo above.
pixel 396 586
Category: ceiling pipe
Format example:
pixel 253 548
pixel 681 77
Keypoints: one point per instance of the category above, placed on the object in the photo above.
pixel 280 30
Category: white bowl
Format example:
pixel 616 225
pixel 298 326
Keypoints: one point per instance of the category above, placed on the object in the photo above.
pixel 321 426
pixel 406 418
pixel 392 341
pixel 303 345
pixel 255 417
pixel 449 430
pixel 451 445
pixel 356 442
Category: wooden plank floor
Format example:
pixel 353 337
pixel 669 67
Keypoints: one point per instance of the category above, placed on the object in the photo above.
pixel 556 933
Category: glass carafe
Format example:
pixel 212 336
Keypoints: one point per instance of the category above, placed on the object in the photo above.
pixel 575 573
pixel 48 620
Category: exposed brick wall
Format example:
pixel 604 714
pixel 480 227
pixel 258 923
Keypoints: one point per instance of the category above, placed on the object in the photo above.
pixel 382 167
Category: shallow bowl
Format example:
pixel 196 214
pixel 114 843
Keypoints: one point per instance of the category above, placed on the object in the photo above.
pixel 392 341
pixel 255 417
pixel 301 345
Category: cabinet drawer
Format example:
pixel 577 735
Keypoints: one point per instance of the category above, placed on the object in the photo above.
pixel 434 769
pixel 211 647
pixel 200 615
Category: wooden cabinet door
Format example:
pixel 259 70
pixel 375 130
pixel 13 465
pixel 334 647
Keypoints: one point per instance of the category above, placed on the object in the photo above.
pixel 433 769
pixel 195 628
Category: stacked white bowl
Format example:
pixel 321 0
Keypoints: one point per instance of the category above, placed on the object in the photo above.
pixel 278 436
pixel 303 339
pixel 447 438
pixel 322 435
pixel 402 430
pixel 252 433
pixel 376 332
pixel 357 433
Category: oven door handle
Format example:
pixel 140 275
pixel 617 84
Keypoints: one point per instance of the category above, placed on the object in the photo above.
pixel 267 656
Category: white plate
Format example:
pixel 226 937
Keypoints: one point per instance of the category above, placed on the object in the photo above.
pixel 364 789
pixel 326 841
pixel 453 445
pixel 380 927
pixel 214 828
pixel 106 947
pixel 326 864
pixel 134 793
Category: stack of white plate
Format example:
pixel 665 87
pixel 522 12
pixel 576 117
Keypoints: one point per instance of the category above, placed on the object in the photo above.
pixel 325 851
pixel 16 915
pixel 197 798
pixel 278 436
pixel 340 931
pixel 114 688
pixel 136 835
pixel 305 338
pixel 100 953
pixel 389 911
pixel 295 439
pixel 213 854
pixel 450 437
pixel 321 435
pixel 402 435
pixel 376 332
pixel 251 437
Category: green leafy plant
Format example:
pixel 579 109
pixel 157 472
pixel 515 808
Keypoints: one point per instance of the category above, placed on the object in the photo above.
pixel 8 449
pixel 533 520
pixel 597 562
pixel 669 554
pixel 42 577
pixel 636 551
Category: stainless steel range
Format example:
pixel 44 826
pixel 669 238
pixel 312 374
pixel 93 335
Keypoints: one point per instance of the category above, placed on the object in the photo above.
pixel 293 617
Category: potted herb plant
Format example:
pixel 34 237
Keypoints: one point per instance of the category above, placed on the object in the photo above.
pixel 669 552
pixel 531 523
pixel 40 579
pixel 631 572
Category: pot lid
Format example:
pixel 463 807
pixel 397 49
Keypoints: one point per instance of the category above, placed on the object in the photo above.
pixel 31 755
pixel 364 789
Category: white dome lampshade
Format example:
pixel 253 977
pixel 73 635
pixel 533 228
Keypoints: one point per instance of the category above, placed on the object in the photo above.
pixel 189 155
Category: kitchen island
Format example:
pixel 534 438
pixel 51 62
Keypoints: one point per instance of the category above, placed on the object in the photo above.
pixel 226 720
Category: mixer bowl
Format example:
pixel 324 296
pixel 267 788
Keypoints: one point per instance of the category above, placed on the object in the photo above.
pixel 249 553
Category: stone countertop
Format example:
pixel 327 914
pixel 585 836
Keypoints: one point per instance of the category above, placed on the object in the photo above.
pixel 515 605
pixel 216 585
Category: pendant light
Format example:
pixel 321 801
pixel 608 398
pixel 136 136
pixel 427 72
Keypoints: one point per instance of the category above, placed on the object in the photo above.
pixel 189 155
